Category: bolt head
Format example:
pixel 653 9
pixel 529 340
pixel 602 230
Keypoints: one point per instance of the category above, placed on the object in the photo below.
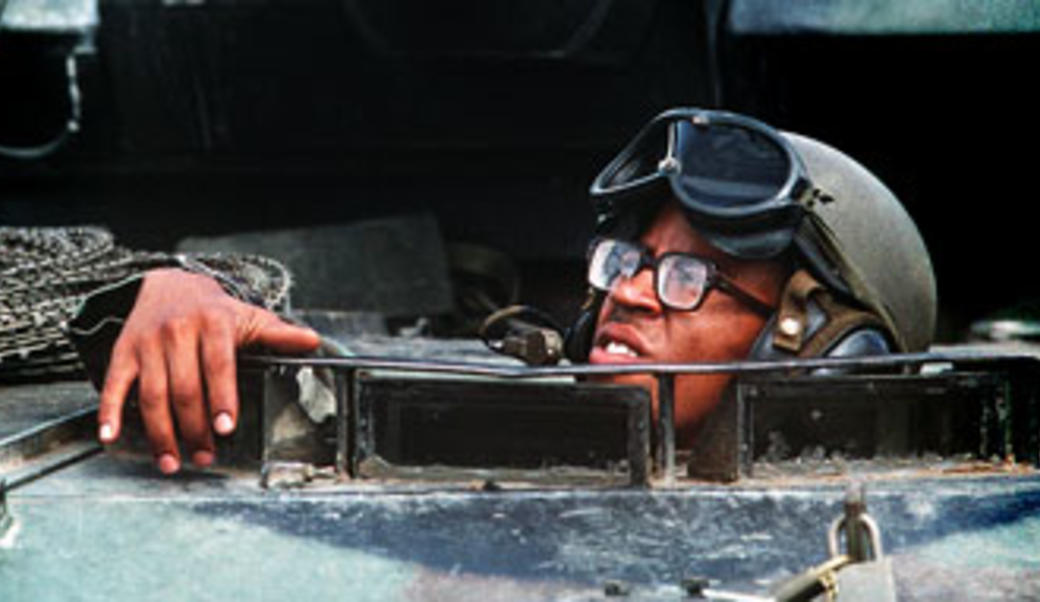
pixel 790 326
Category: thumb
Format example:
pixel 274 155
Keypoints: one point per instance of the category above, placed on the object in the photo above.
pixel 269 330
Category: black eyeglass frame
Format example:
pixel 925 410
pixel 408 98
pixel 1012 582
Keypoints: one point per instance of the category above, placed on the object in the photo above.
pixel 715 278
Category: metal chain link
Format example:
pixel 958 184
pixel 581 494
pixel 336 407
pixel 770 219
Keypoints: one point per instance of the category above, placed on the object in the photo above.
pixel 46 273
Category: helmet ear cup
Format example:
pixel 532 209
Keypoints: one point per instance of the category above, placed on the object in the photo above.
pixel 826 326
pixel 578 338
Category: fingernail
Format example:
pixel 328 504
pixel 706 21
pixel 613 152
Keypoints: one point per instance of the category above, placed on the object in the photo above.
pixel 105 432
pixel 202 458
pixel 223 423
pixel 168 464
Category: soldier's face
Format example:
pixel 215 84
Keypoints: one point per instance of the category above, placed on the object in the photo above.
pixel 636 328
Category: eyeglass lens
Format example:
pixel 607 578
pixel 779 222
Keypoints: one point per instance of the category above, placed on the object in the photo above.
pixel 610 259
pixel 681 279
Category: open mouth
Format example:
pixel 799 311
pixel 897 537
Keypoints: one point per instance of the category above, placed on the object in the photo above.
pixel 619 348
pixel 616 343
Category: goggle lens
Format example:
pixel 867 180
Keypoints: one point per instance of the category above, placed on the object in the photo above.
pixel 728 165
pixel 719 164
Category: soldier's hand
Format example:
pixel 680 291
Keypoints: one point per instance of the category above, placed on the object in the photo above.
pixel 179 345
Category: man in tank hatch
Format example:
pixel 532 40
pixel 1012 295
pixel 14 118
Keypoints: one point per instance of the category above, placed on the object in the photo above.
pixel 719 238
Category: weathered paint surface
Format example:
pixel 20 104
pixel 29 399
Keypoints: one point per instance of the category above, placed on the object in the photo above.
pixel 883 17
pixel 110 528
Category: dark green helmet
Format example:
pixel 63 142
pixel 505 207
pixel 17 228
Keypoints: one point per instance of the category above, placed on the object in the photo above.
pixel 861 240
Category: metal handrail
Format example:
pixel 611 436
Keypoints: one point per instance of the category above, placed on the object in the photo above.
pixel 734 367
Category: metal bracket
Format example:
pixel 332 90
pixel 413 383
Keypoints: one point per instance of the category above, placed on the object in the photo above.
pixel 6 520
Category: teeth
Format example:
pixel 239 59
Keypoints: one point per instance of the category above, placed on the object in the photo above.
pixel 620 349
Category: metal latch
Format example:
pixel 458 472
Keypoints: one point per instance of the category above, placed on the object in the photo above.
pixel 862 540
pixel 862 536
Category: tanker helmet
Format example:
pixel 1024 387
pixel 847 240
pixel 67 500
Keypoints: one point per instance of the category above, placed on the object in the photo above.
pixel 756 192
pixel 862 241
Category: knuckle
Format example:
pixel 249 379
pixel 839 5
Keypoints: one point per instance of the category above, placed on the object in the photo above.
pixel 217 321
pixel 147 344
pixel 194 433
pixel 186 399
pixel 219 360
pixel 109 403
pixel 176 329
pixel 123 348
pixel 153 397
pixel 114 378
pixel 256 322
pixel 222 395
pixel 162 444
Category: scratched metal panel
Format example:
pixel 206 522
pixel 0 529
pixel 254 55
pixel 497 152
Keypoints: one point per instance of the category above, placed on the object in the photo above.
pixel 111 529
pixel 28 406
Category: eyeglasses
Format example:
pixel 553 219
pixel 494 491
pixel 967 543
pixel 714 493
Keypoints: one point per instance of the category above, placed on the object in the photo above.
pixel 681 280
pixel 738 178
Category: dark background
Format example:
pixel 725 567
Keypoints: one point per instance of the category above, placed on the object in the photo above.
pixel 213 117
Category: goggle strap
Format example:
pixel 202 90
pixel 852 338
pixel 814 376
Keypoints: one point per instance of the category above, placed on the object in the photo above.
pixel 818 196
pixel 810 196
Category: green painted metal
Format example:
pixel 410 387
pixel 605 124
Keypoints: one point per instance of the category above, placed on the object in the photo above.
pixel 883 17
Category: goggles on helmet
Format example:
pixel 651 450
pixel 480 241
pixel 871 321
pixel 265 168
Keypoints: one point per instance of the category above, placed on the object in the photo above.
pixel 681 280
pixel 739 181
